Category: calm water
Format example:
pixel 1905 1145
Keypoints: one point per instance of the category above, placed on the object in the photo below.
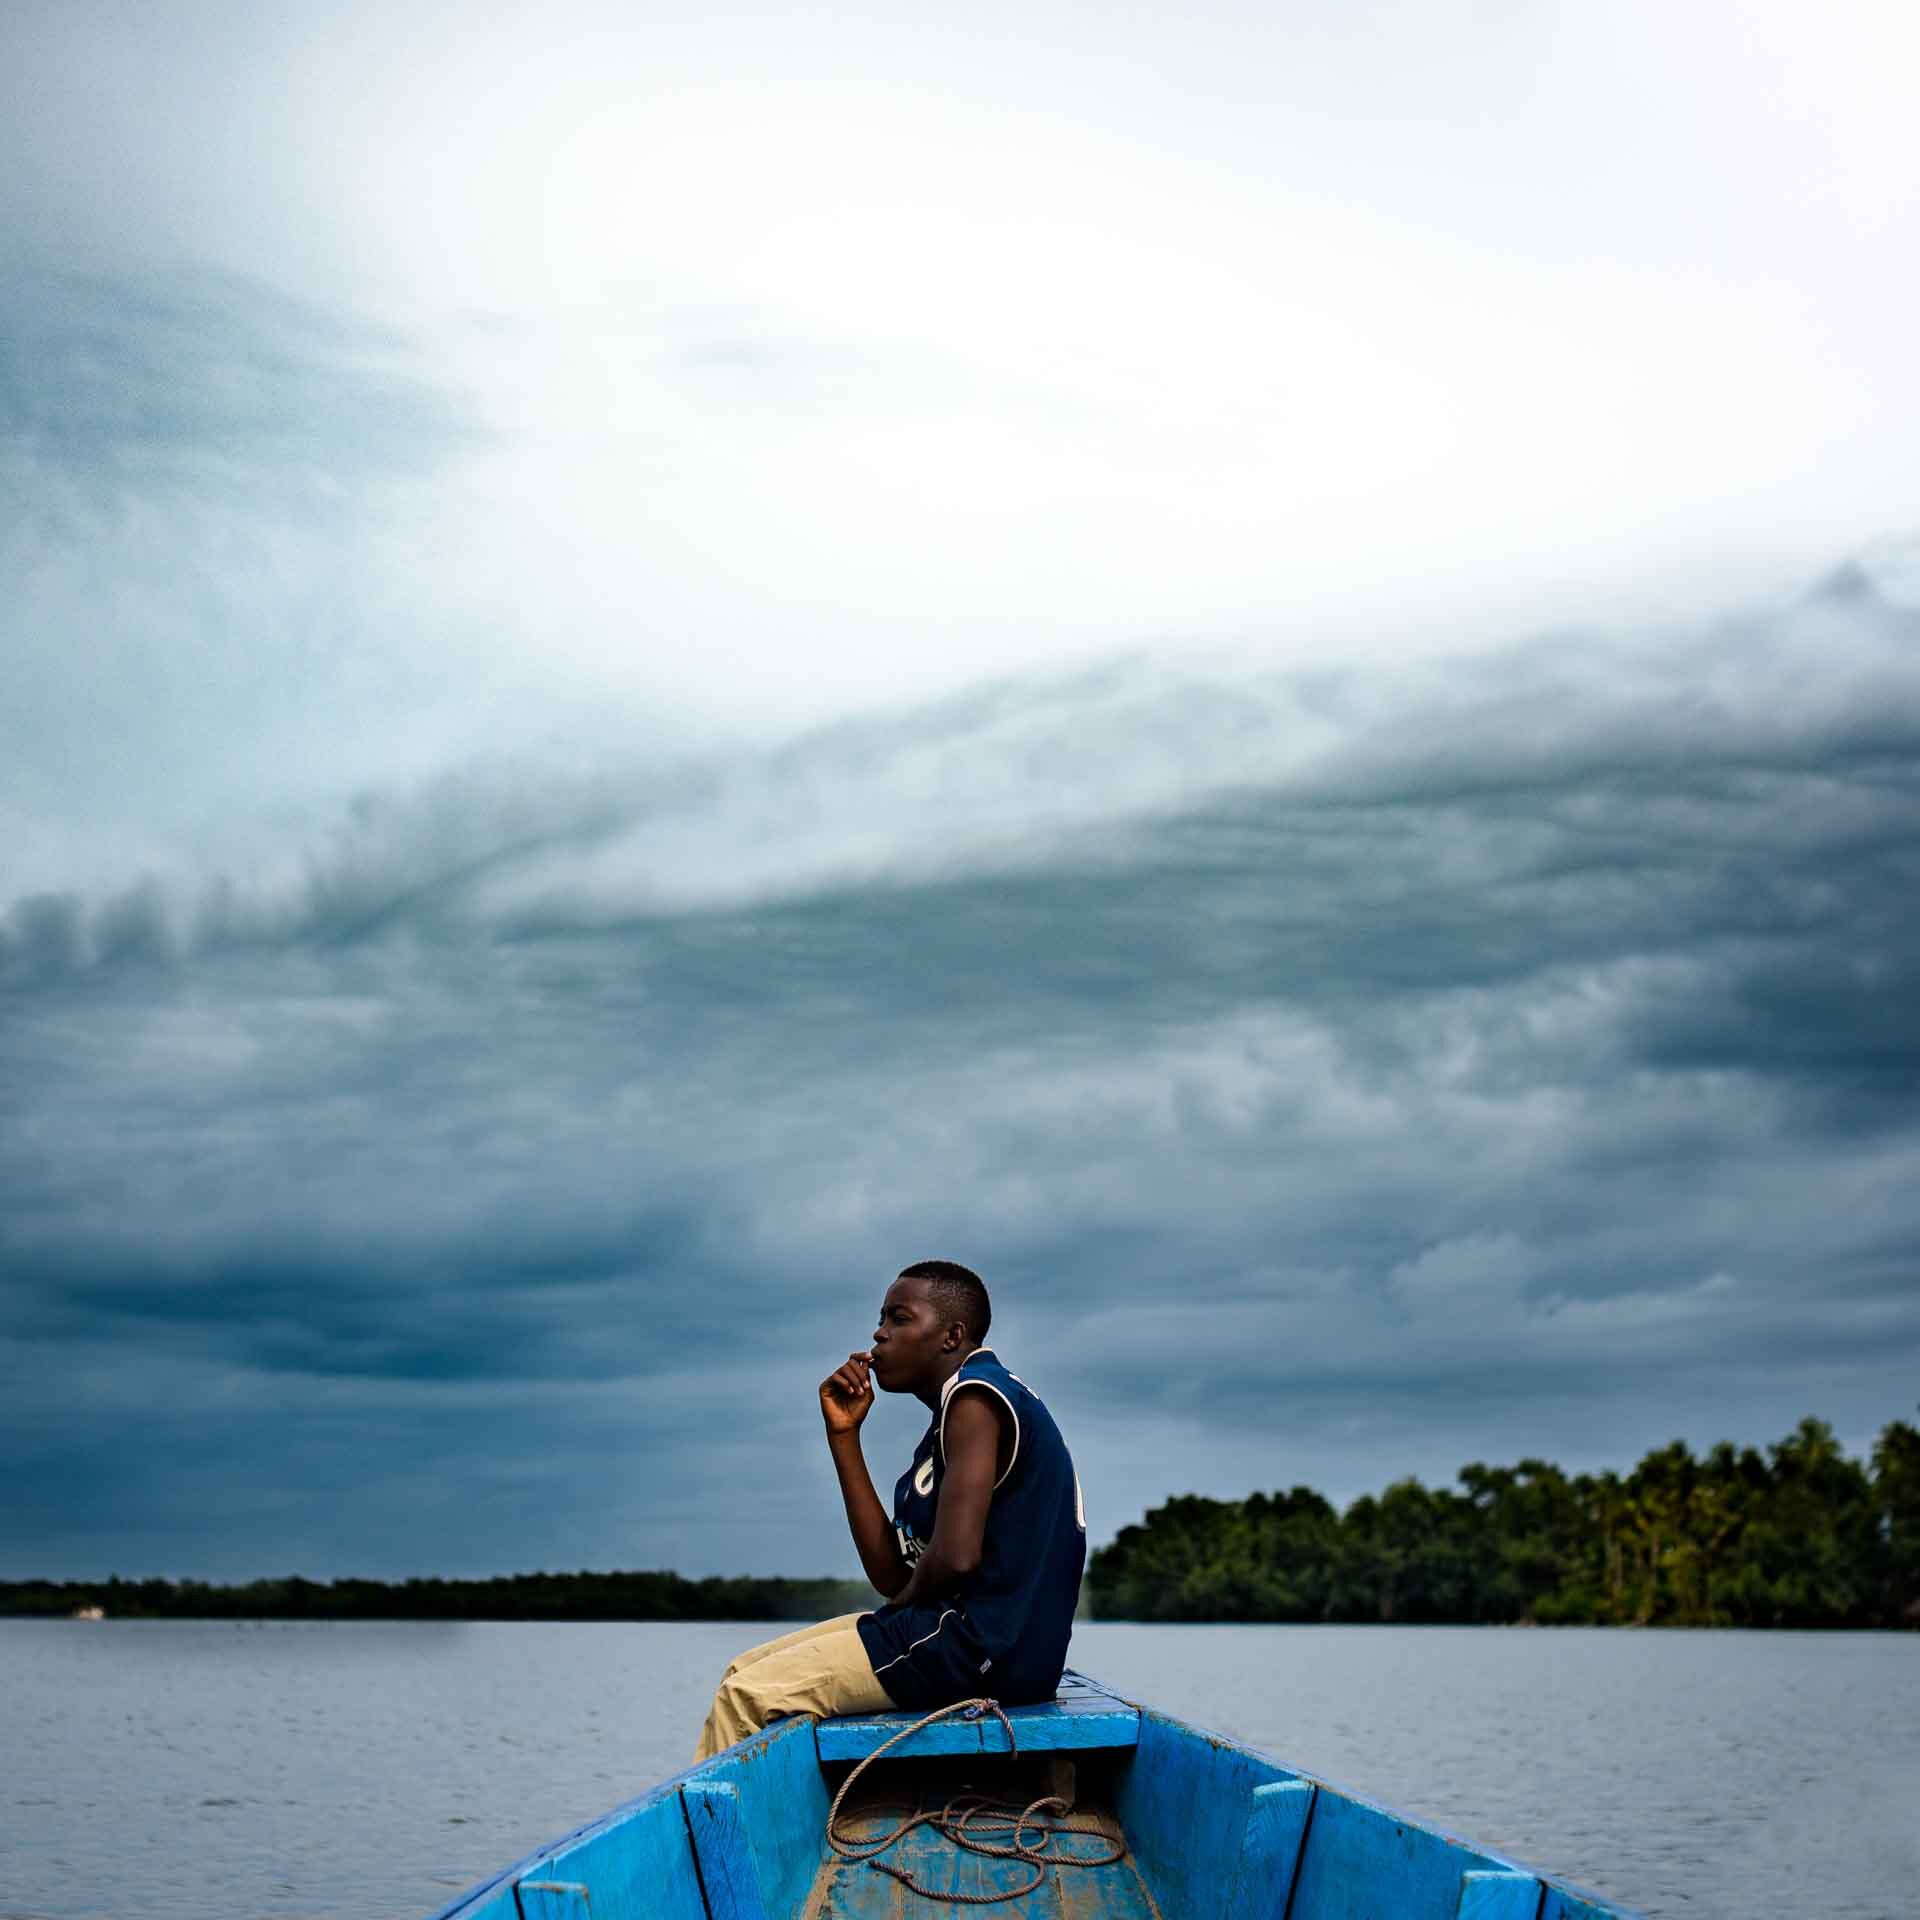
pixel 169 1770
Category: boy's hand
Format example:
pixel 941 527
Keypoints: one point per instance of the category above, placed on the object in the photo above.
pixel 846 1394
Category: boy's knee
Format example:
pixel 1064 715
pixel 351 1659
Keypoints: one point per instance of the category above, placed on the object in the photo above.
pixel 732 1694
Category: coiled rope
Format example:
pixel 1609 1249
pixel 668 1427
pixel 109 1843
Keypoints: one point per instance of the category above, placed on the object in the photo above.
pixel 968 1818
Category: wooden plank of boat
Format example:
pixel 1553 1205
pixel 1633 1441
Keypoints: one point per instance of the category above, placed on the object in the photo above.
pixel 1212 1829
pixel 1082 1715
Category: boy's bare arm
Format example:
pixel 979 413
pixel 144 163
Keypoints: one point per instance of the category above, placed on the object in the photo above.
pixel 846 1396
pixel 973 1446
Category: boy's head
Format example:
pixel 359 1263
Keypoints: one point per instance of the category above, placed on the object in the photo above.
pixel 934 1315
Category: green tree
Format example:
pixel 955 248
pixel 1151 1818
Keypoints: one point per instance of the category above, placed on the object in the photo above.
pixel 1813 1541
pixel 1896 1506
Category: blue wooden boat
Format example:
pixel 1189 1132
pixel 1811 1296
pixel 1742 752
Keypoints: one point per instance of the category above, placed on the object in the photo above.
pixel 1110 1810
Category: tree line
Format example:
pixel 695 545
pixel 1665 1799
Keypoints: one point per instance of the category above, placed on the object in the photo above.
pixel 520 1596
pixel 1797 1535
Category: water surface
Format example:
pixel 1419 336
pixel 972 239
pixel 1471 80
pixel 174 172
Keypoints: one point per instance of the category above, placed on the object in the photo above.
pixel 327 1770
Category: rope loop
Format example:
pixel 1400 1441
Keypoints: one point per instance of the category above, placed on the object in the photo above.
pixel 968 1817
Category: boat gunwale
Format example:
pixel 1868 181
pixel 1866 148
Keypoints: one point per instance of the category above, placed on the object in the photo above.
pixel 1606 1904
pixel 627 1810
pixel 800 1726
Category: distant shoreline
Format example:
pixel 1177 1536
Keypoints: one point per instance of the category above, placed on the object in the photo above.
pixel 1800 1537
pixel 523 1596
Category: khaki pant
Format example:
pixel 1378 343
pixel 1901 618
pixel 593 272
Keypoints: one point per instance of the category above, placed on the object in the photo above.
pixel 820 1671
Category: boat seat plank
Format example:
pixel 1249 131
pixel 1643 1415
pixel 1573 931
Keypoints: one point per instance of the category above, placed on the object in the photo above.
pixel 1082 1716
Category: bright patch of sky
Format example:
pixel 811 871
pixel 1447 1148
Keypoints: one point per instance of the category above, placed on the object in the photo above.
pixel 833 359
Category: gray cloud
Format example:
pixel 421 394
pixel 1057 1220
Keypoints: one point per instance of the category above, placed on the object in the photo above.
pixel 205 380
pixel 203 486
pixel 1335 1079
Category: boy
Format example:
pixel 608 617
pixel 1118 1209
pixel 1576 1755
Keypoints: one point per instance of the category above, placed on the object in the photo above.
pixel 980 1560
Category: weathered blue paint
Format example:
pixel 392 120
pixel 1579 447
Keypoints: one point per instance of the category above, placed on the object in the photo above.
pixel 553 1900
pixel 1183 1800
pixel 783 1808
pixel 635 1863
pixel 728 1875
pixel 1489 1895
pixel 1082 1716
pixel 1215 1828
pixel 1364 1862
pixel 628 1863
pixel 1278 1814
pixel 861 1893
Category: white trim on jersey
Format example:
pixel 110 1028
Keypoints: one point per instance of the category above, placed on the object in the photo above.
pixel 946 1395
pixel 921 1642
pixel 953 1379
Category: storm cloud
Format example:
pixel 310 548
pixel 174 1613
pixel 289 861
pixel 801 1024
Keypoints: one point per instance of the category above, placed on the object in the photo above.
pixel 1335 1077
pixel 1257 672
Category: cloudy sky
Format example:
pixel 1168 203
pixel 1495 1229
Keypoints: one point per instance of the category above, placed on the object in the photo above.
pixel 1255 667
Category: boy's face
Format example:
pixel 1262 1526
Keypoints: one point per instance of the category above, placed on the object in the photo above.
pixel 911 1337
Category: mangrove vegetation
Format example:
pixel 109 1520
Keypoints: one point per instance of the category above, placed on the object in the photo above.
pixel 1799 1535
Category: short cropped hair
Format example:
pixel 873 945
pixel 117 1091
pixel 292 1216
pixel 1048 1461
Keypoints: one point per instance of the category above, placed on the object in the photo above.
pixel 961 1292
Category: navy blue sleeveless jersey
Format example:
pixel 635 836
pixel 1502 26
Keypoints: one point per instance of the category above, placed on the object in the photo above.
pixel 1003 1631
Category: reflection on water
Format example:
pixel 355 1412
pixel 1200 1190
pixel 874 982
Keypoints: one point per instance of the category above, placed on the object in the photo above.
pixel 314 1772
